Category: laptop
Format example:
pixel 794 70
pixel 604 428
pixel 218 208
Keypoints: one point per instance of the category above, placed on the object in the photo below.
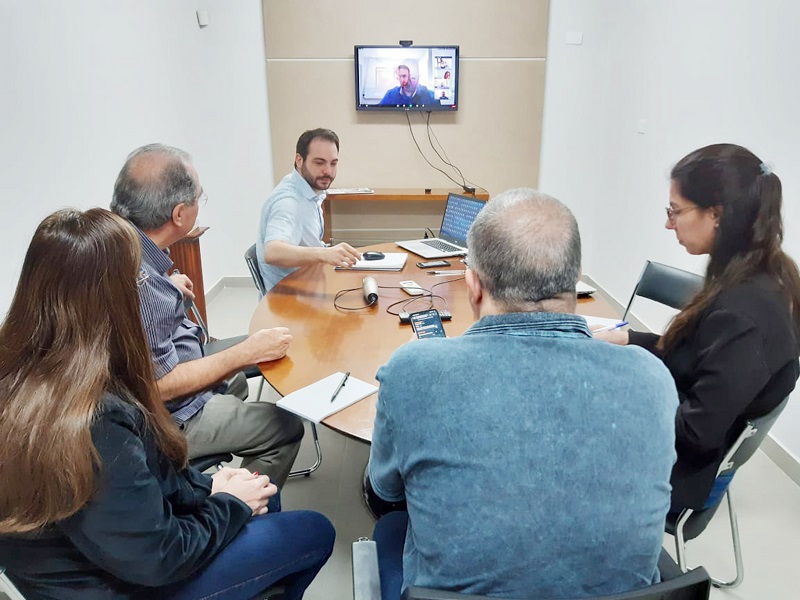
pixel 459 214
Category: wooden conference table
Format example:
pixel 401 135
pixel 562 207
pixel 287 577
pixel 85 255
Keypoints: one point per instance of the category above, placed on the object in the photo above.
pixel 327 340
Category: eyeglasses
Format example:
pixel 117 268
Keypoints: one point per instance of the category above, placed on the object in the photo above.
pixel 675 212
pixel 142 277
pixel 202 199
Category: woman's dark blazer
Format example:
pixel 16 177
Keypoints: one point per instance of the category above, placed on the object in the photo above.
pixel 147 525
pixel 738 361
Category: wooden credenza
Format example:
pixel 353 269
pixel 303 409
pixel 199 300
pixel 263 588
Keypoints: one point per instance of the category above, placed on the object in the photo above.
pixel 412 208
pixel 185 253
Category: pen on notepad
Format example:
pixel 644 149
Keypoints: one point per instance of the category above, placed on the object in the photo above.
pixel 611 327
pixel 450 272
pixel 340 386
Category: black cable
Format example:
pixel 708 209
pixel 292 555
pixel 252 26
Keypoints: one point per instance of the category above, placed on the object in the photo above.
pixel 405 301
pixel 427 295
pixel 341 293
pixel 413 137
pixel 448 162
pixel 408 301
pixel 459 278
pixel 429 230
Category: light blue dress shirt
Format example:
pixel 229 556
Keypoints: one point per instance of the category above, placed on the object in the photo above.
pixel 292 214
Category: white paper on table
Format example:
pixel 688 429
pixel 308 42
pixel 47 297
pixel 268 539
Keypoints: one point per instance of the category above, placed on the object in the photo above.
pixel 391 261
pixel 602 321
pixel 313 402
pixel 355 190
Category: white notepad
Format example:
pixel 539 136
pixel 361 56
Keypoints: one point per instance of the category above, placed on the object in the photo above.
pixel 602 321
pixel 356 190
pixel 313 402
pixel 391 261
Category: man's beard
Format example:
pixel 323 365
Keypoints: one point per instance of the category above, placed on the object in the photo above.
pixel 320 183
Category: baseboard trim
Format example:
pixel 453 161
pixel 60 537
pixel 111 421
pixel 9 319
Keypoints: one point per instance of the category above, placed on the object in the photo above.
pixel 231 282
pixel 785 460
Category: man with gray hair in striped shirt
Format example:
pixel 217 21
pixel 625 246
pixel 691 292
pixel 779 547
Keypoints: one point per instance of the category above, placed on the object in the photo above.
pixel 159 192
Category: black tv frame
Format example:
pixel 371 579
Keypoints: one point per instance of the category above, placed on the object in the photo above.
pixel 435 107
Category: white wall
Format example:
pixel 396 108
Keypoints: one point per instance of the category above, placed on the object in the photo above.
pixel 83 83
pixel 698 72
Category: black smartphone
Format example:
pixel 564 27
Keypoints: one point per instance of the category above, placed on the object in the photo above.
pixel 427 264
pixel 427 323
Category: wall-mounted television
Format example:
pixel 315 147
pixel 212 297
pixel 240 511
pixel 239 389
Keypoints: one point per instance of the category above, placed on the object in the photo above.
pixel 402 78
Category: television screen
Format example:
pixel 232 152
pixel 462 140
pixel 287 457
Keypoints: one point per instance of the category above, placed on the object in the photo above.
pixel 406 78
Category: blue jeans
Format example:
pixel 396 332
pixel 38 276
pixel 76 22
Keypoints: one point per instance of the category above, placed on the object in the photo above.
pixel 390 537
pixel 288 547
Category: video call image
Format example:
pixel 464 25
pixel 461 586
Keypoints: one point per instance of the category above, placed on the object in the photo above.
pixel 406 77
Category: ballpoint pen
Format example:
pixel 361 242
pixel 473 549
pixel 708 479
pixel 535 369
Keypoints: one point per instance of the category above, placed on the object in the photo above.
pixel 340 386
pixel 450 272
pixel 611 327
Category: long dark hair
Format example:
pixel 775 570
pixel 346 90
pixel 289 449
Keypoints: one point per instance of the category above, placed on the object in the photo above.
pixel 72 333
pixel 750 233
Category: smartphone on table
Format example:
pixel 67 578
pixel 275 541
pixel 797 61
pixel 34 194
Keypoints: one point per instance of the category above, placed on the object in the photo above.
pixel 427 264
pixel 427 323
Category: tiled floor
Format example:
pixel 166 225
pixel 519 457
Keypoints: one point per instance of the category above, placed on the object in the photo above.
pixel 334 488
pixel 768 503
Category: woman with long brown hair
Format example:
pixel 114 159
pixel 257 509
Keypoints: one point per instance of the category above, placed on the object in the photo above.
pixel 97 500
pixel 733 351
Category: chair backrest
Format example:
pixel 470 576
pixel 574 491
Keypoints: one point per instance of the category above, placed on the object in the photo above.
pixel 7 588
pixel 694 585
pixel 252 263
pixel 750 439
pixel 694 522
pixel 666 285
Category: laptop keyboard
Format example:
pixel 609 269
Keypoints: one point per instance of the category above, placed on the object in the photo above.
pixel 441 245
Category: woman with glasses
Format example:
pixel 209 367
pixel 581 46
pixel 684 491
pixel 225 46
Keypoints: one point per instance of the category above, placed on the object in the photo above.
pixel 733 351
pixel 97 500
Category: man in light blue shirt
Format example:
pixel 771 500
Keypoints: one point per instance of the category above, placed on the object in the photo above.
pixel 534 462
pixel 291 226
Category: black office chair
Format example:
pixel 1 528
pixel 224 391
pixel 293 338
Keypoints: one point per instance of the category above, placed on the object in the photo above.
pixel 694 585
pixel 252 264
pixel 666 285
pixel 8 588
pixel 203 463
pixel 689 523
pixel 213 345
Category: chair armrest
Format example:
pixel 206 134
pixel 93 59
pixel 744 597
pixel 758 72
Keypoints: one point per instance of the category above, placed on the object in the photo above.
pixel 366 578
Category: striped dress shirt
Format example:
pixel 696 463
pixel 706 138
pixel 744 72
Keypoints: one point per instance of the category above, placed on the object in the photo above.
pixel 172 337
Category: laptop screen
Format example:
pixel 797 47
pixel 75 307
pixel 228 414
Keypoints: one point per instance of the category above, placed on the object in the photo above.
pixel 458 217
